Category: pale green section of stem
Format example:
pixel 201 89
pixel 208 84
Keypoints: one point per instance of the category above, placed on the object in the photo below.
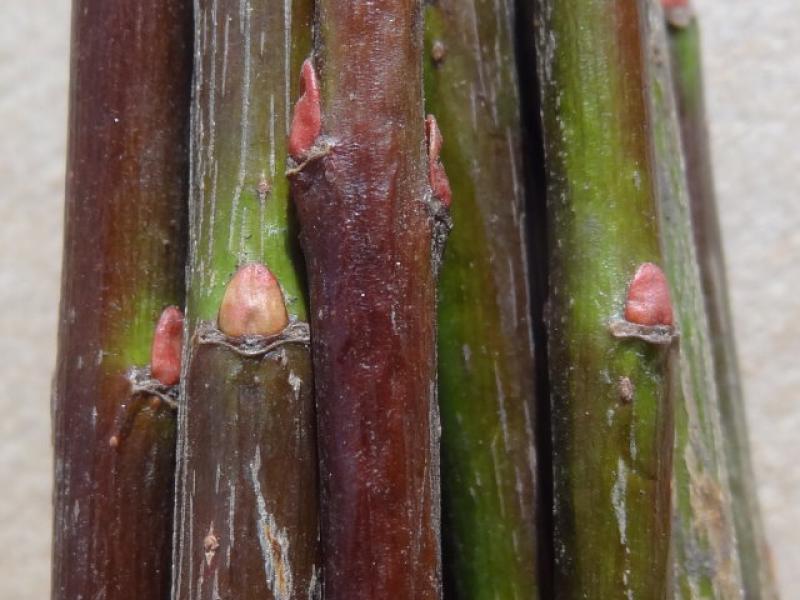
pixel 246 81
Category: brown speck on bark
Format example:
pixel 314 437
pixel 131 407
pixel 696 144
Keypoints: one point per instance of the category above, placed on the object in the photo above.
pixel 263 189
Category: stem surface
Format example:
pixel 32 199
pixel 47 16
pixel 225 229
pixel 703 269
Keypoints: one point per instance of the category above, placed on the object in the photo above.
pixel 753 551
pixel 370 241
pixel 610 392
pixel 114 429
pixel 486 363
pixel 706 561
pixel 247 525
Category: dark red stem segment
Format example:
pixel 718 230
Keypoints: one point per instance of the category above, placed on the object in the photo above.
pixel 123 263
pixel 367 230
pixel 251 531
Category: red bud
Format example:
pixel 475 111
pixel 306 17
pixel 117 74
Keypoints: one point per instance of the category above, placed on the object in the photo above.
pixel 674 3
pixel 648 300
pixel 307 118
pixel 440 184
pixel 253 303
pixel 165 354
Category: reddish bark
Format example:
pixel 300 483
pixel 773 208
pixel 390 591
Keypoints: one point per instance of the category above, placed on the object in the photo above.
pixel 123 263
pixel 368 227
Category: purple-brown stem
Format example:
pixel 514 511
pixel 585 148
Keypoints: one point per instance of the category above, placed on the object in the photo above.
pixel 123 264
pixel 367 229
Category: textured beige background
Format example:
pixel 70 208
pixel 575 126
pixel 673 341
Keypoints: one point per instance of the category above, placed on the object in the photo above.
pixel 752 55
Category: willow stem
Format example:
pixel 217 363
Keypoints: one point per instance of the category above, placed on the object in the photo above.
pixel 752 548
pixel 486 360
pixel 370 237
pixel 610 378
pixel 124 248
pixel 247 521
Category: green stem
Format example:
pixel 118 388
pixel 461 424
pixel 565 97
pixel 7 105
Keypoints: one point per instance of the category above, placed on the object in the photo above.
pixel 247 523
pixel 486 364
pixel 123 264
pixel 245 81
pixel 706 561
pixel 610 396
pixel 753 551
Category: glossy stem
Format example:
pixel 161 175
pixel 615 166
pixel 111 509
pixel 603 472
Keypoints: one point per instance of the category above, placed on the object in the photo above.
pixel 370 238
pixel 486 361
pixel 611 380
pixel 124 248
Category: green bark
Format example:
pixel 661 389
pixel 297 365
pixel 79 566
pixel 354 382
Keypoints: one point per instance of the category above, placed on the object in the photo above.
pixel 247 522
pixel 486 365
pixel 610 396
pixel 751 544
pixel 246 80
pixel 706 558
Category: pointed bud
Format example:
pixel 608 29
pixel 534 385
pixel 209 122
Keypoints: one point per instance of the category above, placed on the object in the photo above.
pixel 437 177
pixel 165 353
pixel 307 118
pixel 648 300
pixel 253 303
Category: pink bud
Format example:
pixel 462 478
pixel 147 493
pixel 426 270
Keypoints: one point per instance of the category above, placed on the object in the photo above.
pixel 165 353
pixel 440 184
pixel 648 300
pixel 674 3
pixel 307 119
pixel 253 303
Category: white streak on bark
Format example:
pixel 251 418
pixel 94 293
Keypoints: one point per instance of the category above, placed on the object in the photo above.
pixel 277 567
pixel 501 404
pixel 231 520
pixel 497 480
pixel 226 37
pixel 618 500
pixel 244 26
